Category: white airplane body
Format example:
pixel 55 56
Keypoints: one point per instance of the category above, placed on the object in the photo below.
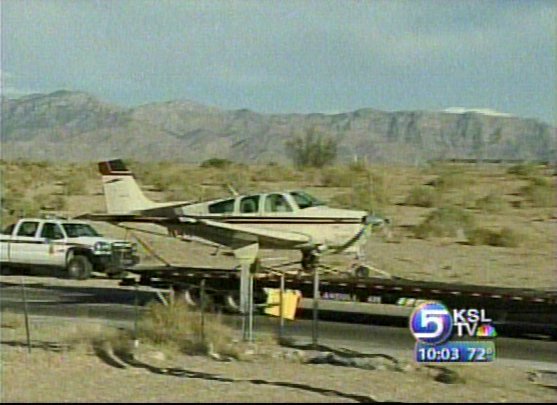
pixel 274 220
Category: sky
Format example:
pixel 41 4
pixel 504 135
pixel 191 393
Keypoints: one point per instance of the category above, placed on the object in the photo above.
pixel 288 56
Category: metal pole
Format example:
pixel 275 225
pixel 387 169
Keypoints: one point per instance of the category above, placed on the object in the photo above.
pixel 136 312
pixel 202 296
pixel 315 307
pixel 281 307
pixel 27 332
pixel 244 299
pixel 250 309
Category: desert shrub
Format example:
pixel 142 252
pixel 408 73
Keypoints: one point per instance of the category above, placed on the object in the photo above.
pixel 452 180
pixel 491 203
pixel 184 191
pixel 26 208
pixel 312 149
pixel 234 177
pixel 50 202
pixel 274 173
pixel 540 192
pixel 176 325
pixel 445 221
pixel 216 163
pixel 337 177
pixel 506 237
pixel 358 166
pixel 369 195
pixel 75 184
pixel 422 197
pixel 523 169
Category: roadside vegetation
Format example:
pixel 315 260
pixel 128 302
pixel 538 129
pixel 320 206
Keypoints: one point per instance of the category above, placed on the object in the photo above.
pixel 491 203
pixel 540 192
pixel 445 222
pixel 177 327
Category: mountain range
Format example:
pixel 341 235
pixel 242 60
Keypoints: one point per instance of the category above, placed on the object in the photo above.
pixel 76 126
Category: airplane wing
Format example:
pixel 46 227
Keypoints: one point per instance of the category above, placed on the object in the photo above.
pixel 118 218
pixel 234 235
pixel 231 235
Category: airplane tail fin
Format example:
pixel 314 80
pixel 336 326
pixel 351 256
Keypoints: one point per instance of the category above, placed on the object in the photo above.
pixel 121 191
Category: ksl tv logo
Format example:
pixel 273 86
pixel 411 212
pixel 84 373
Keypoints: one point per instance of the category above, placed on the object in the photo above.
pixel 433 323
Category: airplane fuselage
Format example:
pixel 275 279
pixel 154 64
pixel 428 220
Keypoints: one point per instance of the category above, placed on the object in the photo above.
pixel 280 211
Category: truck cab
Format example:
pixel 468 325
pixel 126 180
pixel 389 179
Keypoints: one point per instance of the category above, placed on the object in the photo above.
pixel 73 245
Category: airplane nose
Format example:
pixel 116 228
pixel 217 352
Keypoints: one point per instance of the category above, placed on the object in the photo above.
pixel 373 220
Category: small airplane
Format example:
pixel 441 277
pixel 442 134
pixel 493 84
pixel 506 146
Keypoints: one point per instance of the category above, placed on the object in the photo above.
pixel 274 220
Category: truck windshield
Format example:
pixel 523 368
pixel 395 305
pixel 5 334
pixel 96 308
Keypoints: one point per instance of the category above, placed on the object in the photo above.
pixel 77 230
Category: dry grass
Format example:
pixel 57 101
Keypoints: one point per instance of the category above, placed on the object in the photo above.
pixel 177 326
pixel 11 320
pixel 421 196
pixel 506 237
pixel 540 192
pixel 492 203
pixel 445 221
pixel 524 170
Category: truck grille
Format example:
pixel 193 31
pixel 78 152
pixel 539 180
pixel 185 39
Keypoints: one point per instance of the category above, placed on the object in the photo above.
pixel 122 254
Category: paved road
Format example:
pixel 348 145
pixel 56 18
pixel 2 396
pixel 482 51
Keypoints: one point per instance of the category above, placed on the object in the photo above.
pixel 116 304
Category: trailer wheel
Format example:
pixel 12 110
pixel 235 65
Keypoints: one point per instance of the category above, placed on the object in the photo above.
pixel 192 298
pixel 79 268
pixel 232 302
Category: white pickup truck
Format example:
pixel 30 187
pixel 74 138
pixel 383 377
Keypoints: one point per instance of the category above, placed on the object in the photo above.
pixel 71 245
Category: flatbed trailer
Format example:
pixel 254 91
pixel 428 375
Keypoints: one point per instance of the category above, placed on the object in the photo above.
pixel 529 310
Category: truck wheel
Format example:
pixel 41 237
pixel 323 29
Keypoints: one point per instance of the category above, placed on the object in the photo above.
pixel 79 268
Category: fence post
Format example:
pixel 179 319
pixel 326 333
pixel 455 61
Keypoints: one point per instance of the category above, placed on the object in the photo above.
pixel 136 315
pixel 316 295
pixel 202 298
pixel 281 307
pixel 24 296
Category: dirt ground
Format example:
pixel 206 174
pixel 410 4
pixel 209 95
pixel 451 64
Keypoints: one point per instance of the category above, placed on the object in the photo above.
pixel 56 372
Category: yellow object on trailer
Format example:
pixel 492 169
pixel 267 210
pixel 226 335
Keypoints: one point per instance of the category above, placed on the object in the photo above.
pixel 290 301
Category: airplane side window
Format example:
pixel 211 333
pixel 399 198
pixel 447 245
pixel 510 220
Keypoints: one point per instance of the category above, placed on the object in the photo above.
pixel 249 205
pixel 223 207
pixel 277 203
pixel 28 229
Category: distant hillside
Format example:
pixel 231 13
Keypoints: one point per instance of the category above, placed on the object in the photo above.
pixel 75 126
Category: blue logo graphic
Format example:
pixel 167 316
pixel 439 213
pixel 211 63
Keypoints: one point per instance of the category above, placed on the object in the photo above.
pixel 431 323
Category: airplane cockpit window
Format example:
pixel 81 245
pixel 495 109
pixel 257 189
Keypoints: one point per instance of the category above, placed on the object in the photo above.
pixel 305 200
pixel 223 207
pixel 27 229
pixel 249 205
pixel 277 203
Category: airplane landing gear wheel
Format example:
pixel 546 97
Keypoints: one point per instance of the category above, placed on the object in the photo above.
pixel 361 271
pixel 309 260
